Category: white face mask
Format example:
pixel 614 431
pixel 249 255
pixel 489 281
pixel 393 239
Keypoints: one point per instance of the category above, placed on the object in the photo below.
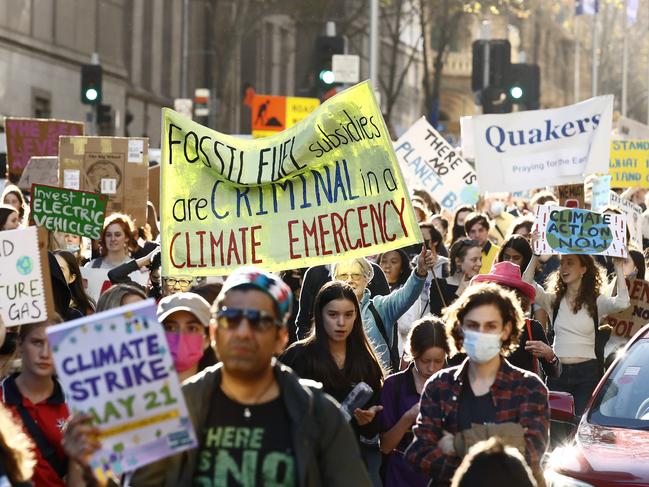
pixel 481 347
pixel 497 208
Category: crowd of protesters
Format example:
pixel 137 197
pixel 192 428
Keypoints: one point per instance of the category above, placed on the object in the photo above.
pixel 426 365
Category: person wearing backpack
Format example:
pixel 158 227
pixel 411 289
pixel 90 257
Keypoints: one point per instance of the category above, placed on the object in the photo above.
pixel 380 313
pixel 35 399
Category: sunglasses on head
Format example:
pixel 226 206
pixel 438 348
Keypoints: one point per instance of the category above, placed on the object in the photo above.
pixel 231 318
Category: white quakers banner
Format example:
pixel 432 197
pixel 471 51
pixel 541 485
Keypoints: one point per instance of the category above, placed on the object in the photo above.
pixel 533 149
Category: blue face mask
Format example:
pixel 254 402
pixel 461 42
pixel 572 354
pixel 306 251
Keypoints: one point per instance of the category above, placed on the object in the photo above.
pixel 481 347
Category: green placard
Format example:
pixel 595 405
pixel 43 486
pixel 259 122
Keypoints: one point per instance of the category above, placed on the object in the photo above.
pixel 69 211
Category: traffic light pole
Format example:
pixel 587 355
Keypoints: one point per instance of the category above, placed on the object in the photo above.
pixel 374 42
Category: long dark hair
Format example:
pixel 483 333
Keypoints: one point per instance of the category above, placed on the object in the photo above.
pixel 459 250
pixel 5 213
pixel 592 282
pixel 521 245
pixel 82 301
pixel 457 233
pixel 361 363
pixel 405 272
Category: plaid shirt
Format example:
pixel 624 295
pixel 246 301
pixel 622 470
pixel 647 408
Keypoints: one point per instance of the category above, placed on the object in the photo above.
pixel 519 397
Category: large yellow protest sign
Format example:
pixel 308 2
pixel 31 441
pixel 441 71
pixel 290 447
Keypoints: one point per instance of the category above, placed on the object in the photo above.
pixel 629 163
pixel 327 187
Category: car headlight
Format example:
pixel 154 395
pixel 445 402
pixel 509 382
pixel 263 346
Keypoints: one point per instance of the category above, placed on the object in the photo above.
pixel 554 479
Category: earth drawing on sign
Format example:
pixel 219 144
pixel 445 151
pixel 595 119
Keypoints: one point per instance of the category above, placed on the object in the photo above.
pixel 578 231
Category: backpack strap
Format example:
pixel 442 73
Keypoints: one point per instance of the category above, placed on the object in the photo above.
pixel 535 361
pixel 392 349
pixel 44 446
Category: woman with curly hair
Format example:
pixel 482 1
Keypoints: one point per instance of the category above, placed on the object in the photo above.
pixel 484 396
pixel 575 302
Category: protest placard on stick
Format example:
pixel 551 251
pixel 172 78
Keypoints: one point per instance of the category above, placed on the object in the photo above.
pixel 601 187
pixel 27 137
pixel 571 195
pixel 429 162
pixel 576 231
pixel 537 148
pixel 116 367
pixel 25 284
pixel 327 187
pixel 68 211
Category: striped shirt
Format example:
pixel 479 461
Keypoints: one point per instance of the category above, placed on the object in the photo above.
pixel 519 397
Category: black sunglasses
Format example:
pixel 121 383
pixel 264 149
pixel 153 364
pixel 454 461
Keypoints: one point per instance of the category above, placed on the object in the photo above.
pixel 231 318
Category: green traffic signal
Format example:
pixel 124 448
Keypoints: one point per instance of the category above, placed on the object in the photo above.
pixel 516 92
pixel 327 76
pixel 91 84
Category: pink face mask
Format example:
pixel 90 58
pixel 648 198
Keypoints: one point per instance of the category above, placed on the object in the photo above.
pixel 186 349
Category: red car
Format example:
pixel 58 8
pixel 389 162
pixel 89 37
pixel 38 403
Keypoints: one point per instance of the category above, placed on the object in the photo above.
pixel 611 445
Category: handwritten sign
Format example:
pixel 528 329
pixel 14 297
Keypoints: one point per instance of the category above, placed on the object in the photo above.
pixel 27 137
pixel 626 323
pixel 25 286
pixel 576 231
pixel 68 211
pixel 537 148
pixel 601 187
pixel 629 163
pixel 326 187
pixel 633 214
pixel 571 195
pixel 116 367
pixel 428 161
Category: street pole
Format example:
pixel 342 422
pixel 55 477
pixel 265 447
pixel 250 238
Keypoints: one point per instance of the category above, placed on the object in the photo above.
pixel 625 62
pixel 374 42
pixel 485 35
pixel 595 57
pixel 185 51
pixel 577 63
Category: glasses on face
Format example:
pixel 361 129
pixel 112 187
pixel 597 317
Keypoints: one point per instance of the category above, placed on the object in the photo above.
pixel 347 277
pixel 172 281
pixel 231 318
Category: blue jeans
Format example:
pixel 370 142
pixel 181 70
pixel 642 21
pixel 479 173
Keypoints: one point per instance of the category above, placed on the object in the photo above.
pixel 579 380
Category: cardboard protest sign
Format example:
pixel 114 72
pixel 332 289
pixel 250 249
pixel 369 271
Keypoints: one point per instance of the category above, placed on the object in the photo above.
pixel 633 214
pixel 537 148
pixel 431 163
pixel 627 323
pixel 577 231
pixel 115 166
pixel 154 187
pixel 629 163
pixel 27 137
pixel 601 187
pixel 96 280
pixel 40 170
pixel 25 284
pixel 326 187
pixel 571 195
pixel 68 211
pixel 116 367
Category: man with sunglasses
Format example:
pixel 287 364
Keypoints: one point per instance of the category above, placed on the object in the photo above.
pixel 257 422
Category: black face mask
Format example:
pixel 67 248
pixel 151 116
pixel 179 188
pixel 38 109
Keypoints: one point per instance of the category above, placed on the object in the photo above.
pixel 9 346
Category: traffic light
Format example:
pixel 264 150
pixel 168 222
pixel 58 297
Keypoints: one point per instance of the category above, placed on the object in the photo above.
pixel 325 48
pixel 499 62
pixel 524 85
pixel 91 84
pixel 104 114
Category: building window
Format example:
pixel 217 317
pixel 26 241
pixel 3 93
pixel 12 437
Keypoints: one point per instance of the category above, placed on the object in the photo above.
pixel 41 103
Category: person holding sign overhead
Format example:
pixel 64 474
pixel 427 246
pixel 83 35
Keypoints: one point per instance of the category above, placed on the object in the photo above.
pixel 577 306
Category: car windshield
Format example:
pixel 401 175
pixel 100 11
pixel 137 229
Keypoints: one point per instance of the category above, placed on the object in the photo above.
pixel 624 399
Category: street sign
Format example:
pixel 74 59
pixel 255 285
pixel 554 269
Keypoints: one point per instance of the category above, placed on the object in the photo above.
pixel 202 102
pixel 184 106
pixel 346 68
pixel 272 114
